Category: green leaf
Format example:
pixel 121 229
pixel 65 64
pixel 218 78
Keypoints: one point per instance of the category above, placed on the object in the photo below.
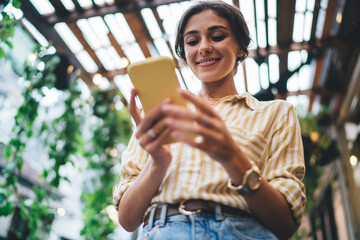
pixel 8 152
pixel 16 4
pixel 9 44
pixel 2 53
pixel 6 209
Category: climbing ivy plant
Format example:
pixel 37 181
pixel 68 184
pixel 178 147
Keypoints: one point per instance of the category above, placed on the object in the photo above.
pixel 63 139
pixel 111 131
pixel 7 28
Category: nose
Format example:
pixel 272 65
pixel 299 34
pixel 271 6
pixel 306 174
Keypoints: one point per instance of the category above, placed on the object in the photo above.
pixel 205 48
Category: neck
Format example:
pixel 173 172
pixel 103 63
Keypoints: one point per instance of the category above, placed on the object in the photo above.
pixel 218 89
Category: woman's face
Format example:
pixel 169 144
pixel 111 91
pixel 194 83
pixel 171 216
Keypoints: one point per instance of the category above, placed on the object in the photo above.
pixel 211 49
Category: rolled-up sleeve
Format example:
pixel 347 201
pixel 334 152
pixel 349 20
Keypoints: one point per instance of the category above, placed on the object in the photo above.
pixel 133 160
pixel 285 167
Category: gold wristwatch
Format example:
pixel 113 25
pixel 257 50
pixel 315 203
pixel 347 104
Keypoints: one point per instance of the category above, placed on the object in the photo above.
pixel 250 183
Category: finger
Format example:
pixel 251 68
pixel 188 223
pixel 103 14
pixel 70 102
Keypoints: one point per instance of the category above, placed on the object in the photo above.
pixel 152 133
pixel 151 117
pixel 208 134
pixel 199 103
pixel 133 109
pixel 193 142
pixel 183 113
pixel 159 141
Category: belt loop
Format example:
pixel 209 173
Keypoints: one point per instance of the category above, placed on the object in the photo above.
pixel 218 214
pixel 163 215
pixel 151 217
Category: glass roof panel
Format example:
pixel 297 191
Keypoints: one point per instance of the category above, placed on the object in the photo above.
pixel 168 22
pixel 115 28
pixel 115 58
pixel 272 32
pixel 99 2
pixel 133 52
pixel 151 23
pixel 252 74
pixel 300 101
pixel 305 74
pixel 292 84
pixel 44 7
pixel 261 30
pixel 264 75
pixel 85 3
pixel 36 34
pixel 100 29
pixel 308 25
pixel 86 61
pixel 162 47
pixel 272 8
pixel 274 68
pixel 127 33
pixel 125 85
pixel 260 9
pixel 320 23
pixel 68 36
pixel 300 6
pixel 176 13
pixel 294 60
pixel 68 4
pixel 310 5
pixel 105 59
pixel 298 32
pixel 89 34
pixel 239 80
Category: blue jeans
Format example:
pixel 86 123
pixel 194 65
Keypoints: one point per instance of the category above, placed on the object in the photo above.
pixel 219 226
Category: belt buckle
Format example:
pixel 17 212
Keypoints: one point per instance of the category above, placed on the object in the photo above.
pixel 182 209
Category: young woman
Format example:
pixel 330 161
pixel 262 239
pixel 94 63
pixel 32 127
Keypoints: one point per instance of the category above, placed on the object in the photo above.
pixel 241 177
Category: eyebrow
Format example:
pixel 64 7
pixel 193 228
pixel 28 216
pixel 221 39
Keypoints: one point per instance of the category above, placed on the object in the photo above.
pixel 212 28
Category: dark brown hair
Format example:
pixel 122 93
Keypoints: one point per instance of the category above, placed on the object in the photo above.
pixel 230 13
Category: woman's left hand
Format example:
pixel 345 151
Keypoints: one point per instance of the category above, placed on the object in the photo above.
pixel 215 139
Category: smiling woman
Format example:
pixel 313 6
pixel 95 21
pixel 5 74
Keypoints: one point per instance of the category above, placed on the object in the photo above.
pixel 249 152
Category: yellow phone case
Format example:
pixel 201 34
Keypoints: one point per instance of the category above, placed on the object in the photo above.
pixel 155 80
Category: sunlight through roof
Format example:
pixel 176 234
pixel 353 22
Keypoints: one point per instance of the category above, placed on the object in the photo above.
pixel 44 7
pixel 259 75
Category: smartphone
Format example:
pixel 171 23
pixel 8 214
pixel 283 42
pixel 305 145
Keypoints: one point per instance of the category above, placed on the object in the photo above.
pixel 155 80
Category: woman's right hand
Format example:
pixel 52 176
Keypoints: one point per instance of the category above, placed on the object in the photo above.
pixel 152 132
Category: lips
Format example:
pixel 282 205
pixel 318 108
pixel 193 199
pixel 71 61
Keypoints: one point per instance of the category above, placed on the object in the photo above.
pixel 207 61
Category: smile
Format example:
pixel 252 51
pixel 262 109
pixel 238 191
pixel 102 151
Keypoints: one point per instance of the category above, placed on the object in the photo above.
pixel 208 61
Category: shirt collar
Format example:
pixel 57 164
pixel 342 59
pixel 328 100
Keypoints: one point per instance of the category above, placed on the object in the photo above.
pixel 250 101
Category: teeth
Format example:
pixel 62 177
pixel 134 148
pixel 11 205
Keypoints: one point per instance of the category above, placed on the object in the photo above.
pixel 208 61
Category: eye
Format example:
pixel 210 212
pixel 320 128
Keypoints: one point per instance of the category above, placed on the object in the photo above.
pixel 192 42
pixel 218 38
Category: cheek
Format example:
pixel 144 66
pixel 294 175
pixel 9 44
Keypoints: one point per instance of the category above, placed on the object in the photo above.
pixel 189 55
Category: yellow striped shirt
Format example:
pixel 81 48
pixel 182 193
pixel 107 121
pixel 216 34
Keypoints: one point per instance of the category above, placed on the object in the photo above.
pixel 268 133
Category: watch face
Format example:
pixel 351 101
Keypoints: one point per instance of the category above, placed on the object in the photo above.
pixel 254 180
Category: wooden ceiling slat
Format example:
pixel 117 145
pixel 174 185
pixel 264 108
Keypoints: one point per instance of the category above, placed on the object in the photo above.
pixel 266 23
pixel 116 45
pixel 329 18
pixel 59 8
pixel 129 7
pixel 314 21
pixel 76 30
pixel 78 8
pixel 159 21
pixel 140 31
pixel 285 21
pixel 33 16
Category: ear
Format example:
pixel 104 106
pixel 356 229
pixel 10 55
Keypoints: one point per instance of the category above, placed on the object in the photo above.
pixel 240 53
